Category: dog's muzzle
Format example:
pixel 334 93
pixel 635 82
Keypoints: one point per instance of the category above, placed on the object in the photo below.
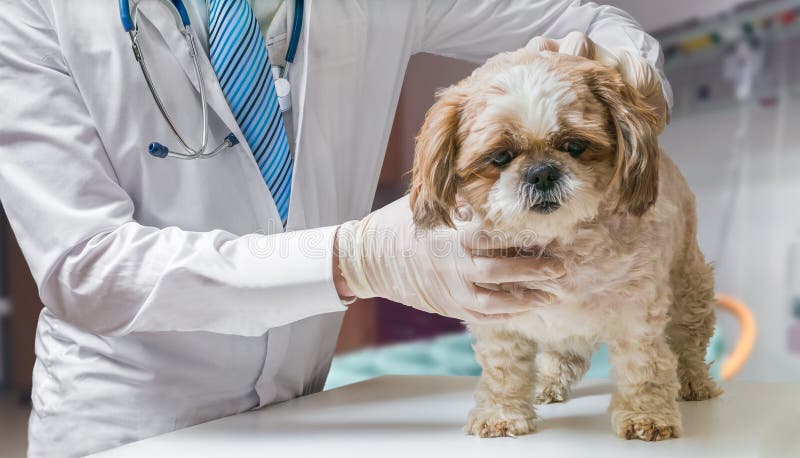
pixel 544 188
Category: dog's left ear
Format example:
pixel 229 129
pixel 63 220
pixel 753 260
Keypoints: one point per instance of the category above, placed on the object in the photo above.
pixel 636 126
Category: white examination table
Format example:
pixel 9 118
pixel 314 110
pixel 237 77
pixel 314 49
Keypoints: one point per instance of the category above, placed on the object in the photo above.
pixel 422 416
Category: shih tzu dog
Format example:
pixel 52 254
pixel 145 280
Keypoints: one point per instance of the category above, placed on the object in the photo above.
pixel 562 146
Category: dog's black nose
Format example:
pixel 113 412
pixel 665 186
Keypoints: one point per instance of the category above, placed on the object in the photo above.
pixel 543 177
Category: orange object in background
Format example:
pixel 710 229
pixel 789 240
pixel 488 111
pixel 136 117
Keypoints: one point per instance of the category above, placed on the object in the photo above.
pixel 747 335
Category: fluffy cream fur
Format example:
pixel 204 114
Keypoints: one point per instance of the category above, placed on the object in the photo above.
pixel 635 280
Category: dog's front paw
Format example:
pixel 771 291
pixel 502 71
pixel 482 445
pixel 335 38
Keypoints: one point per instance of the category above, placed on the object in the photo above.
pixel 551 392
pixel 646 426
pixel 501 421
pixel 699 390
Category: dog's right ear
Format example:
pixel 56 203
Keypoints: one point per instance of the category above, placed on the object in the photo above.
pixel 434 181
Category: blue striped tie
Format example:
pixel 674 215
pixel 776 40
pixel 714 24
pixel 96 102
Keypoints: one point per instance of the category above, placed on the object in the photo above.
pixel 240 59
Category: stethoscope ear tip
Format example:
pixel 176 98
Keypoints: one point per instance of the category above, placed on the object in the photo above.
pixel 157 150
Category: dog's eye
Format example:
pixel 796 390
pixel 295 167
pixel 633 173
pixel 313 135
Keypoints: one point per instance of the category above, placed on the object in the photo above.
pixel 502 158
pixel 574 147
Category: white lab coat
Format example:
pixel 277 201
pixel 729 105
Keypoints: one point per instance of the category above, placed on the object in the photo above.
pixel 163 307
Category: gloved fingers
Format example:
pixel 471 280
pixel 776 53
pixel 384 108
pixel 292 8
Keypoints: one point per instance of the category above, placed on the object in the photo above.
pixel 476 236
pixel 477 317
pixel 514 269
pixel 638 73
pixel 495 242
pixel 494 302
pixel 641 75
pixel 634 69
pixel 538 44
pixel 577 44
pixel 605 56
pixel 498 243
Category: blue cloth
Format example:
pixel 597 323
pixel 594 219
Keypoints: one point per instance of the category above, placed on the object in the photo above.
pixel 452 355
pixel 240 59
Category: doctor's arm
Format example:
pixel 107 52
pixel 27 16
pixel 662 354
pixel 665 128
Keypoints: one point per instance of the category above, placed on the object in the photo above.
pixel 476 30
pixel 101 270
pixel 95 265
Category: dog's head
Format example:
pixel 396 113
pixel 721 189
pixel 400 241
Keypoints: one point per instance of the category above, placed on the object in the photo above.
pixel 536 139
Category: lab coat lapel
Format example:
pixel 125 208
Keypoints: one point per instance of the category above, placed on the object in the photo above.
pixel 325 80
pixel 167 25
pixel 157 15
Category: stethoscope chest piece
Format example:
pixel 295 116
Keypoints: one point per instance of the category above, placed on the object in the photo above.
pixel 160 151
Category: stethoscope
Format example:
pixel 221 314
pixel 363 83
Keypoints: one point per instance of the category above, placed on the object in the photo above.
pixel 157 149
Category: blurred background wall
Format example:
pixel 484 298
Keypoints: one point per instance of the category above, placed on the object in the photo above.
pixel 734 134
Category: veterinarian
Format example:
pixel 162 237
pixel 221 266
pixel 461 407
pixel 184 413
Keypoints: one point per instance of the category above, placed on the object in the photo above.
pixel 181 222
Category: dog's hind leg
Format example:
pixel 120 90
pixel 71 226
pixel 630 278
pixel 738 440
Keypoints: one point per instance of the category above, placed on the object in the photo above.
pixel 503 404
pixel 691 328
pixel 558 370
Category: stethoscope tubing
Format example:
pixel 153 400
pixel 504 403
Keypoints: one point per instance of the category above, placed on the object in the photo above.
pixel 186 32
pixel 156 149
pixel 128 22
pixel 297 26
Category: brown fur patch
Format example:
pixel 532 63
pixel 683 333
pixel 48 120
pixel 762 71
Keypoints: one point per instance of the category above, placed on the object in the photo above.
pixel 637 140
pixel 434 183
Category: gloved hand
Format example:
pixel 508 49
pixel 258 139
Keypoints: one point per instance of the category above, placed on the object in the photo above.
pixel 635 70
pixel 434 270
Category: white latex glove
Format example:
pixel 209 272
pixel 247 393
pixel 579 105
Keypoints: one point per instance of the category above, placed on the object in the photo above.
pixel 635 70
pixel 434 270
